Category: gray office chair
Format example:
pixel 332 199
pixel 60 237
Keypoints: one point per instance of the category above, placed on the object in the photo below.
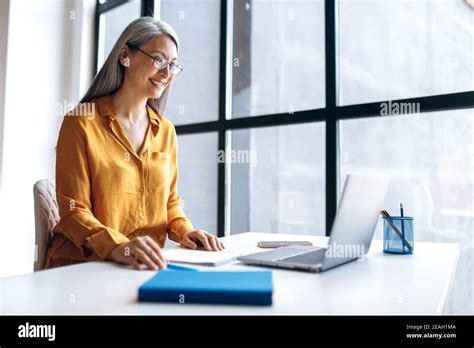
pixel 46 217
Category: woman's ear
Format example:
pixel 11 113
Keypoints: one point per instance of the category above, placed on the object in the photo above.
pixel 124 60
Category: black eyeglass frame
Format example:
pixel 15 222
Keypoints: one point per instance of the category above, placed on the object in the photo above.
pixel 159 62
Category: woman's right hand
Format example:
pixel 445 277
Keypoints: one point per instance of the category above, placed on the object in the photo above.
pixel 141 252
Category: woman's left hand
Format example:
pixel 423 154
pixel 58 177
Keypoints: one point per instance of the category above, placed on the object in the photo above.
pixel 193 239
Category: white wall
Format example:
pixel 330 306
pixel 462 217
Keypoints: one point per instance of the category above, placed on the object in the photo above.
pixel 48 61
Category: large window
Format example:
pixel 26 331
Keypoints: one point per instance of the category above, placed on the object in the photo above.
pixel 280 100
pixel 435 181
pixel 194 97
pixel 278 179
pixel 411 48
pixel 278 57
pixel 112 18
pixel 197 182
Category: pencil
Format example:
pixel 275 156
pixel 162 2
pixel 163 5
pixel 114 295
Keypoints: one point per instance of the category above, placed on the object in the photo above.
pixel 395 228
pixel 403 225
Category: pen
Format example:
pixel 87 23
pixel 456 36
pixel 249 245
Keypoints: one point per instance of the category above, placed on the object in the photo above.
pixel 171 266
pixel 403 225
pixel 395 228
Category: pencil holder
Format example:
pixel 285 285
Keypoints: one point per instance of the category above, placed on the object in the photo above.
pixel 398 235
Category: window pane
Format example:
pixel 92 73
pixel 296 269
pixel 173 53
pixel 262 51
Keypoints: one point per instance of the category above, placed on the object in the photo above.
pixel 278 57
pixel 278 179
pixel 405 48
pixel 198 179
pixel 111 25
pixel 430 158
pixel 195 94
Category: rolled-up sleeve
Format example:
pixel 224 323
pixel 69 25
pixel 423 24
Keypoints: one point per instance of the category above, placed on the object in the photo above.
pixel 73 192
pixel 178 223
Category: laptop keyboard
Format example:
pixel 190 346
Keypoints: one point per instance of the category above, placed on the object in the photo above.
pixel 310 258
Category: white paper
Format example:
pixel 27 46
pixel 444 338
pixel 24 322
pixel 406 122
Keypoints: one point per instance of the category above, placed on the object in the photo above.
pixel 200 257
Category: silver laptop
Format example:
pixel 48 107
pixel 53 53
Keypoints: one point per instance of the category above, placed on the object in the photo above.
pixel 351 234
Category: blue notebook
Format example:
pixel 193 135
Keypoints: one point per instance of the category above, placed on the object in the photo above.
pixel 254 288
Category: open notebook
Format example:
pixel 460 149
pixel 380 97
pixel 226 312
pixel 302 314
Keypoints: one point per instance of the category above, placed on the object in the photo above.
pixel 200 257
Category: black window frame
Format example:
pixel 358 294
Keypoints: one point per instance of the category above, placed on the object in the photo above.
pixel 331 114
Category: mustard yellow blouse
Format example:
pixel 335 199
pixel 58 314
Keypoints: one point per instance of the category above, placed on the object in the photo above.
pixel 106 192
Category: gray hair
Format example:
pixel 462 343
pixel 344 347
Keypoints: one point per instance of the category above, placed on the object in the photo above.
pixel 110 76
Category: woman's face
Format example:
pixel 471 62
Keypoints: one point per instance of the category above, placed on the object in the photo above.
pixel 143 75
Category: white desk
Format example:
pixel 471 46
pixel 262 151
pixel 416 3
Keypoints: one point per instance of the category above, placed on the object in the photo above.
pixel 379 284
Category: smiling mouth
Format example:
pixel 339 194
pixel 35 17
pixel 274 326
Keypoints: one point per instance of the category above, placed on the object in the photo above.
pixel 157 84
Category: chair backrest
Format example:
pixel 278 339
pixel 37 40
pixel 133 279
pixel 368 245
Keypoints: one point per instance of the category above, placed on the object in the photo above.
pixel 46 217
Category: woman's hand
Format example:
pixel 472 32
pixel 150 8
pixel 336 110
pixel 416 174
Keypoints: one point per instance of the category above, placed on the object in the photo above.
pixel 141 252
pixel 193 239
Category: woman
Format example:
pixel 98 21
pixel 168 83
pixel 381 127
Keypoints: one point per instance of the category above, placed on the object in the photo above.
pixel 116 172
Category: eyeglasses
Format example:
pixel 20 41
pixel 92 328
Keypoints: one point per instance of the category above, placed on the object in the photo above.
pixel 160 63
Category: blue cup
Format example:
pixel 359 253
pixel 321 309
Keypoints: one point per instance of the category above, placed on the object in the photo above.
pixel 398 235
